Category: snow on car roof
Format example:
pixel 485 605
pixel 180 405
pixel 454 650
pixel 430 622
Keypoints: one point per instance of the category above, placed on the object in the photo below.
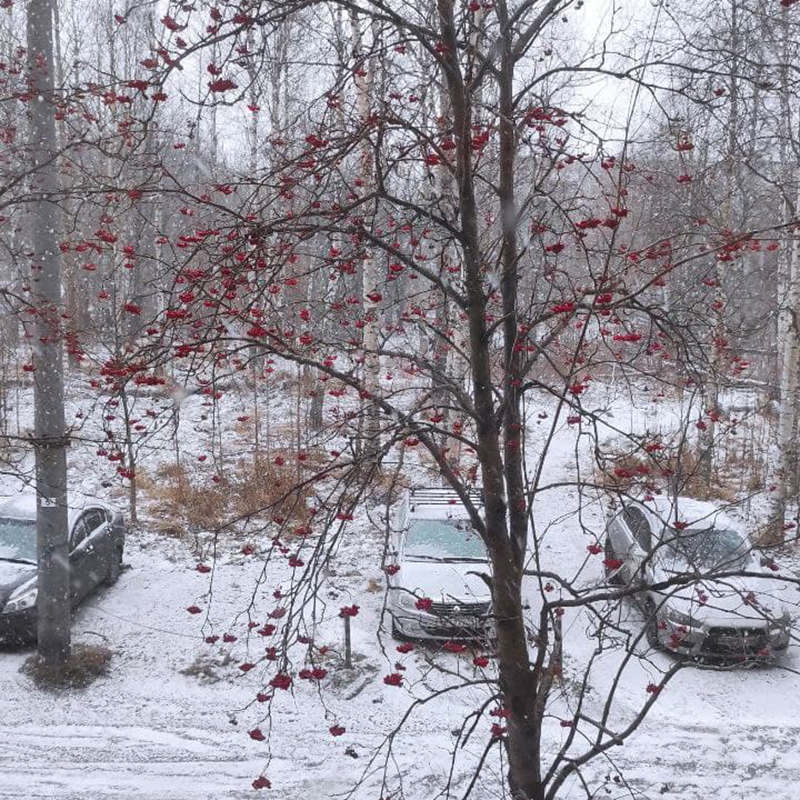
pixel 440 503
pixel 422 511
pixel 23 506
pixel 697 513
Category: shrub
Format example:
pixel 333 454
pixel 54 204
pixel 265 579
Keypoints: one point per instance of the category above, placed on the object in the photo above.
pixel 86 663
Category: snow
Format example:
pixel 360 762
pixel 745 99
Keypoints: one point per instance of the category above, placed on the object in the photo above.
pixel 711 734
pixel 23 506
pixel 171 720
pixel 696 513
pixel 439 512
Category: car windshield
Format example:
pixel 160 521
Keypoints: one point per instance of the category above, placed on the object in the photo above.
pixel 705 548
pixel 17 540
pixel 443 540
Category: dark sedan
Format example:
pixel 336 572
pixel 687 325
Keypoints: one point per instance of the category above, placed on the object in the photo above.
pixel 96 543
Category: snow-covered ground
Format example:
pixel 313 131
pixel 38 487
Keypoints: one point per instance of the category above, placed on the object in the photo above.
pixel 155 729
pixel 712 734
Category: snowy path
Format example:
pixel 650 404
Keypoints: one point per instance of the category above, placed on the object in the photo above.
pixel 99 761
pixel 149 732
pixel 144 733
pixel 696 761
pixel 691 761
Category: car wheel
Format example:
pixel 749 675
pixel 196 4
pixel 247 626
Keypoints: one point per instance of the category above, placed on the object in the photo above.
pixel 651 624
pixel 613 576
pixel 115 568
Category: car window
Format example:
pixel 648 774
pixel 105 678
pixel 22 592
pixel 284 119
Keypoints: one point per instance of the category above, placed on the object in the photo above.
pixel 18 539
pixel 94 519
pixel 443 539
pixel 639 527
pixel 706 548
pixel 79 532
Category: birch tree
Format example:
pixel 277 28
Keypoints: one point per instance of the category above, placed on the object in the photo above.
pixel 789 355
pixel 365 80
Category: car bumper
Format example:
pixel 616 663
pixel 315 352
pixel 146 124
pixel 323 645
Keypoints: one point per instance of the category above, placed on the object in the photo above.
pixel 729 644
pixel 19 627
pixel 433 628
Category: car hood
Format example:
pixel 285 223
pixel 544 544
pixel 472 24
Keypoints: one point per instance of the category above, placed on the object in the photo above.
pixel 13 575
pixel 445 581
pixel 733 601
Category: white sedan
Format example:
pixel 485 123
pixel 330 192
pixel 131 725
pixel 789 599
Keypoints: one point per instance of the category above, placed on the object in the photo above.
pixel 702 587
pixel 439 579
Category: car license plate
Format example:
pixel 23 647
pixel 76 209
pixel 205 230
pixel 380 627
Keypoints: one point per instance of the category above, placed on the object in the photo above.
pixel 741 642
pixel 465 622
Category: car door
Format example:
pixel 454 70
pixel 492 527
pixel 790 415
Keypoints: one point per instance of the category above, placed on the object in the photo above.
pixel 97 545
pixel 619 536
pixel 640 543
pixel 78 574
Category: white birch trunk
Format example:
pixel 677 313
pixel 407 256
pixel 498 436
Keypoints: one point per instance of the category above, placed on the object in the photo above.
pixel 371 275
pixel 711 394
pixel 789 352
pixel 784 254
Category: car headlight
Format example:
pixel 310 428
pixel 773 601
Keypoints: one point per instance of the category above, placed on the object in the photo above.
pixel 21 599
pixel 403 599
pixel 677 618
pixel 784 621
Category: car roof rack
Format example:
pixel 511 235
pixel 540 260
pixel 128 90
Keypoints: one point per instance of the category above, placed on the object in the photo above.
pixel 441 496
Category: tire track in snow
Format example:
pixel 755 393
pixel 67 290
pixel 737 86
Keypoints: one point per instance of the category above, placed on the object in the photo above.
pixel 64 762
pixel 702 762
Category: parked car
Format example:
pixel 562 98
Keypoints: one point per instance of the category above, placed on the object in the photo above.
pixel 440 590
pixel 674 538
pixel 96 543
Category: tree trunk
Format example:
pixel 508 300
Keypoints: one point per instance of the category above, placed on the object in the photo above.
pixel 372 276
pixel 518 683
pixel 50 440
pixel 317 406
pixel 130 459
pixel 712 390
pixel 789 349
pixel 784 264
pixel 316 302
pixel 443 355
pixel 521 697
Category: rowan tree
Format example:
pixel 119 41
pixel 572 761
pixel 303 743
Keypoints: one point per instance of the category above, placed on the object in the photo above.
pixel 438 238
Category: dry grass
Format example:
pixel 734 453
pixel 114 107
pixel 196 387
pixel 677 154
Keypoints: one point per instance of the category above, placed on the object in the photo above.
pixel 206 667
pixel 387 485
pixel 86 663
pixel 280 490
pixel 744 466
pixel 170 471
pixel 624 472
pixel 182 503
pixel 245 427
